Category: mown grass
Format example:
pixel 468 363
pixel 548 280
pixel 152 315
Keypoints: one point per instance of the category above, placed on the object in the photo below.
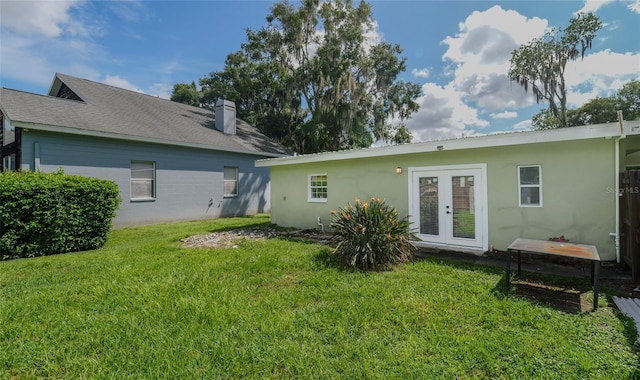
pixel 143 307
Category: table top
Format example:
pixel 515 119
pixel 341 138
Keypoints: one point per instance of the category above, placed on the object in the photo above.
pixel 578 251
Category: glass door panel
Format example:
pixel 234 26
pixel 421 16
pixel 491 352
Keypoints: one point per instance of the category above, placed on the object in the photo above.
pixel 429 199
pixel 463 207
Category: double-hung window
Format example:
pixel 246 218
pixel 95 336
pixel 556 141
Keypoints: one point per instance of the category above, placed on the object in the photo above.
pixel 230 181
pixel 318 188
pixel 530 186
pixel 143 180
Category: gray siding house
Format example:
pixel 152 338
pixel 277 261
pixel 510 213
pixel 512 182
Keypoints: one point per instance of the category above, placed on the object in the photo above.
pixel 171 161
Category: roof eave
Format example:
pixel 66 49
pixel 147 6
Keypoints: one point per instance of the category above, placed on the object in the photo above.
pixel 488 141
pixel 117 136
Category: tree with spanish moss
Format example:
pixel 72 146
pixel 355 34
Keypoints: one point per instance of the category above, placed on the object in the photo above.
pixel 314 80
pixel 596 111
pixel 540 65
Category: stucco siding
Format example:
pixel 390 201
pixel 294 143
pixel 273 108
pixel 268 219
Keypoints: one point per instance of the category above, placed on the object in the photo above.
pixel 189 182
pixel 577 182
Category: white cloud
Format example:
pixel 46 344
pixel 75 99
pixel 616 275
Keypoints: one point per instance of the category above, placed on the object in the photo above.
pixel 443 115
pixel 39 37
pixel 524 125
pixel 420 73
pixel 480 55
pixel 45 18
pixel 600 74
pixel 594 5
pixel 130 10
pixel 504 115
pixel 117 81
pixel 635 6
pixel 478 62
pixel 161 90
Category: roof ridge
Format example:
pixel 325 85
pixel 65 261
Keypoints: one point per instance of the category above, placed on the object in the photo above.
pixel 61 75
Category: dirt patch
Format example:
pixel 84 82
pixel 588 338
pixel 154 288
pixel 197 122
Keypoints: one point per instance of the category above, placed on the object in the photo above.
pixel 231 238
pixel 564 298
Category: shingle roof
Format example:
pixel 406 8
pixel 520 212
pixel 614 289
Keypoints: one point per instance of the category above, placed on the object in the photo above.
pixel 115 112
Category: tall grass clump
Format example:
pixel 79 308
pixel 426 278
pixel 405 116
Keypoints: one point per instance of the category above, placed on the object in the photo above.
pixel 371 234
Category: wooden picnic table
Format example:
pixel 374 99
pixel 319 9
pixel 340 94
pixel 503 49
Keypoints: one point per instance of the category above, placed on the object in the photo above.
pixel 556 248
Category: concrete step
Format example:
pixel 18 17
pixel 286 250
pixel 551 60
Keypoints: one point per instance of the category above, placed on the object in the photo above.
pixel 631 308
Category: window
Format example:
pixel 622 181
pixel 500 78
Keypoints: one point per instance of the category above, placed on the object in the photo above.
pixel 9 162
pixel 9 132
pixel 318 188
pixel 530 186
pixel 143 180
pixel 230 181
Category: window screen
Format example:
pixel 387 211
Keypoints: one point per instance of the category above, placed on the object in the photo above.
pixel 530 186
pixel 230 181
pixel 143 178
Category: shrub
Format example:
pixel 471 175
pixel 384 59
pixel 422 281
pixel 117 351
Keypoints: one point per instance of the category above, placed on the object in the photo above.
pixel 47 213
pixel 370 235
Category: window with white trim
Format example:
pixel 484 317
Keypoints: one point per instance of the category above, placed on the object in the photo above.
pixel 530 186
pixel 9 162
pixel 230 181
pixel 318 189
pixel 143 180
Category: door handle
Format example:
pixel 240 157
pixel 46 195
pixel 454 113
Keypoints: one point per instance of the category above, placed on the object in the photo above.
pixel 448 212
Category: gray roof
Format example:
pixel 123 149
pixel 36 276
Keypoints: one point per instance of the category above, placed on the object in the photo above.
pixel 114 112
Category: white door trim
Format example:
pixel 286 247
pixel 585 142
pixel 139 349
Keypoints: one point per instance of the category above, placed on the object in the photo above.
pixel 483 202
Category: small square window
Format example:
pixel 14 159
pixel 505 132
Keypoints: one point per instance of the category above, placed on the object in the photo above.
pixel 143 180
pixel 318 188
pixel 530 186
pixel 230 181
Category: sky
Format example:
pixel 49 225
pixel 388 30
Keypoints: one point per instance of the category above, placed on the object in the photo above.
pixel 458 51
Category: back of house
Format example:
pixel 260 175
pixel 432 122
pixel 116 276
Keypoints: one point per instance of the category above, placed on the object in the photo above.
pixel 476 193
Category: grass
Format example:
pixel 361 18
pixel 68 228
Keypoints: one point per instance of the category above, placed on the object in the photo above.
pixel 143 307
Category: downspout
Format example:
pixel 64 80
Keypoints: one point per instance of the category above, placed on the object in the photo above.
pixel 616 234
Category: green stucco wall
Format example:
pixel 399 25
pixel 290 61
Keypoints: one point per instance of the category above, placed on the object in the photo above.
pixel 578 184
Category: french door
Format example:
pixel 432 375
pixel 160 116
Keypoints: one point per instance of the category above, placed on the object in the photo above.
pixel 448 205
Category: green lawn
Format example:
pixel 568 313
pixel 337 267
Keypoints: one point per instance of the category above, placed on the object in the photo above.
pixel 142 307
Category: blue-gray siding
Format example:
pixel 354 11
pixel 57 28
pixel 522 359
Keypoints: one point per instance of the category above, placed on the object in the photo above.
pixel 189 181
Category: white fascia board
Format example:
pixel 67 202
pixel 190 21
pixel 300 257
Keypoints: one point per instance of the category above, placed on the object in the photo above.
pixel 486 141
pixel 117 136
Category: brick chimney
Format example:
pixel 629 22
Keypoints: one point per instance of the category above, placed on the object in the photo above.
pixel 226 116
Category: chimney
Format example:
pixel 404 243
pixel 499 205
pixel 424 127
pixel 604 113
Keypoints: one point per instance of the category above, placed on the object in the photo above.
pixel 226 116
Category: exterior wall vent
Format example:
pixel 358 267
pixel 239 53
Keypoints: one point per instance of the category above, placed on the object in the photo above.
pixel 226 116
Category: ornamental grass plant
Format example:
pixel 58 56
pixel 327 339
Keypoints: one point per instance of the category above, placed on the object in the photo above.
pixel 371 235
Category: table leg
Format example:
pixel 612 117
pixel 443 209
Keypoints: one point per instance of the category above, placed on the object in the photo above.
pixel 596 284
pixel 508 269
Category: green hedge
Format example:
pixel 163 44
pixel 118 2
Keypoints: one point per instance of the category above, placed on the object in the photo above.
pixel 47 213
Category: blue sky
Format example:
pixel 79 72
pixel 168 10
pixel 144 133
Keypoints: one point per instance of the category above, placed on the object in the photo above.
pixel 458 51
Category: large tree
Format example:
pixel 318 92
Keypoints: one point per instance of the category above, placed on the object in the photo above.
pixel 315 80
pixel 540 64
pixel 186 93
pixel 596 111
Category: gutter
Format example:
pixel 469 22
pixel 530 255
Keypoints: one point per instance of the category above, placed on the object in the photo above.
pixel 110 135
pixel 616 234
